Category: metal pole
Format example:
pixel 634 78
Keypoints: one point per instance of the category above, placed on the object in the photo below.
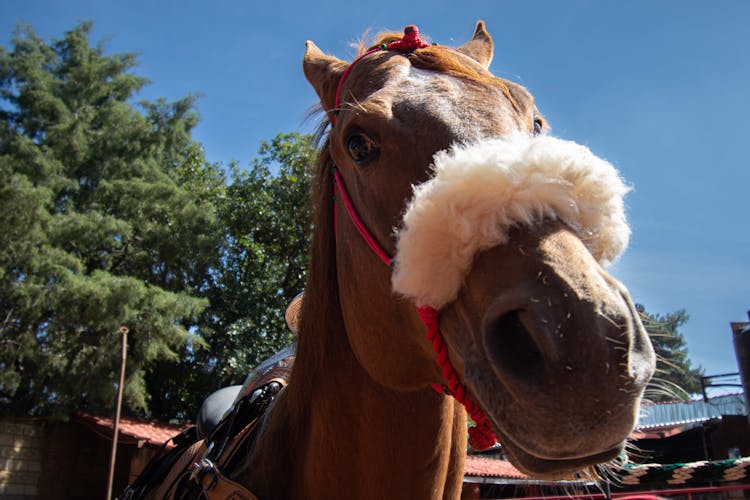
pixel 124 332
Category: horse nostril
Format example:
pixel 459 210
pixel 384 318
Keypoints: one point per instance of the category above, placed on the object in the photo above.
pixel 510 345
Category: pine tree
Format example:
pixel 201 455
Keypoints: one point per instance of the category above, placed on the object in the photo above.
pixel 103 225
pixel 676 377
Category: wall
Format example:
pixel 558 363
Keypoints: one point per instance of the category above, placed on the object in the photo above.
pixel 62 460
pixel 21 452
pixel 76 463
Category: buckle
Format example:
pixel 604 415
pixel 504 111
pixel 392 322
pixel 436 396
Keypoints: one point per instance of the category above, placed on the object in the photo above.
pixel 200 469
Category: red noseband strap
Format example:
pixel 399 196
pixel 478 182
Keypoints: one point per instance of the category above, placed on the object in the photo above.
pixel 481 436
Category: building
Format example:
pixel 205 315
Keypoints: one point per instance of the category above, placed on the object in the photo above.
pixel 696 445
pixel 42 458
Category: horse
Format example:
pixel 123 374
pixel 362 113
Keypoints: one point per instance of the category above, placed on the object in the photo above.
pixel 457 266
pixel 543 341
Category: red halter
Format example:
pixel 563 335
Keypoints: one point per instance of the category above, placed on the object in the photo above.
pixel 481 436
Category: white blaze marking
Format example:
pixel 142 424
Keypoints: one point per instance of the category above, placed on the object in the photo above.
pixel 439 95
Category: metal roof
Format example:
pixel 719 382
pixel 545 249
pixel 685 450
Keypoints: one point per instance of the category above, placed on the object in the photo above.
pixel 685 412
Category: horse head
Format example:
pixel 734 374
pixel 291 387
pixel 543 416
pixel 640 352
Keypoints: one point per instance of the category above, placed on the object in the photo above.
pixel 503 230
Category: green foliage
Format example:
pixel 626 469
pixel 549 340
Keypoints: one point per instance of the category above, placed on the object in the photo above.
pixel 103 226
pixel 675 377
pixel 264 214
pixel 267 218
pixel 112 216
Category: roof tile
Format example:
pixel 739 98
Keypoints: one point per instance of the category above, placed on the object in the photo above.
pixel 485 466
pixel 152 432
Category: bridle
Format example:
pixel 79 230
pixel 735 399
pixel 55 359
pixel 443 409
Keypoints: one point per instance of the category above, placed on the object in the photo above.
pixel 481 435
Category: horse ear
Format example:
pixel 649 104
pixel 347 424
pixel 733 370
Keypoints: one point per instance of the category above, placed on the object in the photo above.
pixel 480 48
pixel 323 72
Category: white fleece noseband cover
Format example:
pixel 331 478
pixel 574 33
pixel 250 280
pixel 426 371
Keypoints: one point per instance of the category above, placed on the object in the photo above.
pixel 480 191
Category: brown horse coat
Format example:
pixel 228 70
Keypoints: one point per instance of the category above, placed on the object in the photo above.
pixel 542 337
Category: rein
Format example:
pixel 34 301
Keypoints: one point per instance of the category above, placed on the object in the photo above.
pixel 481 435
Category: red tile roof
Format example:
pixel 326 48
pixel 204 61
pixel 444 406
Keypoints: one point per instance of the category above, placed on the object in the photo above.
pixel 485 466
pixel 150 432
pixel 660 432
pixel 157 433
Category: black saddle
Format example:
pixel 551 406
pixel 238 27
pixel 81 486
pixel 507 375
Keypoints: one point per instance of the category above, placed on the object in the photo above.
pixel 213 409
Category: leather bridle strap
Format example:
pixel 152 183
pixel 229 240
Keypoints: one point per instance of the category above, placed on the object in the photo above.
pixel 216 486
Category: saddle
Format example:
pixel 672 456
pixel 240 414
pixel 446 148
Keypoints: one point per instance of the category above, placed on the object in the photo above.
pixel 206 453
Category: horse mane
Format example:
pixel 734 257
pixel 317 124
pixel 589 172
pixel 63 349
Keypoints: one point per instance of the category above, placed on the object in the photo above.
pixel 320 315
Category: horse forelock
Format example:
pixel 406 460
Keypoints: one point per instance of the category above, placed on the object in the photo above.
pixel 445 60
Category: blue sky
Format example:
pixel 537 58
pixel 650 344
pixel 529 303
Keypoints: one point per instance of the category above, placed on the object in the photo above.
pixel 659 88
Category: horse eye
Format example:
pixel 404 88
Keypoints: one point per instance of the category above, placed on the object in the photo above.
pixel 538 126
pixel 362 148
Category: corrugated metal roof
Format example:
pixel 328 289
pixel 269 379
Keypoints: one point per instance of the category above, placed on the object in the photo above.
pixel 684 412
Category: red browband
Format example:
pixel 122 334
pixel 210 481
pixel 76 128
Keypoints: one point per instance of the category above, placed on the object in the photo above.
pixel 410 41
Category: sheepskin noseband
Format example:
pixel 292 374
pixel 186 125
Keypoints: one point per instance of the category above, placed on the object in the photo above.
pixel 479 191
